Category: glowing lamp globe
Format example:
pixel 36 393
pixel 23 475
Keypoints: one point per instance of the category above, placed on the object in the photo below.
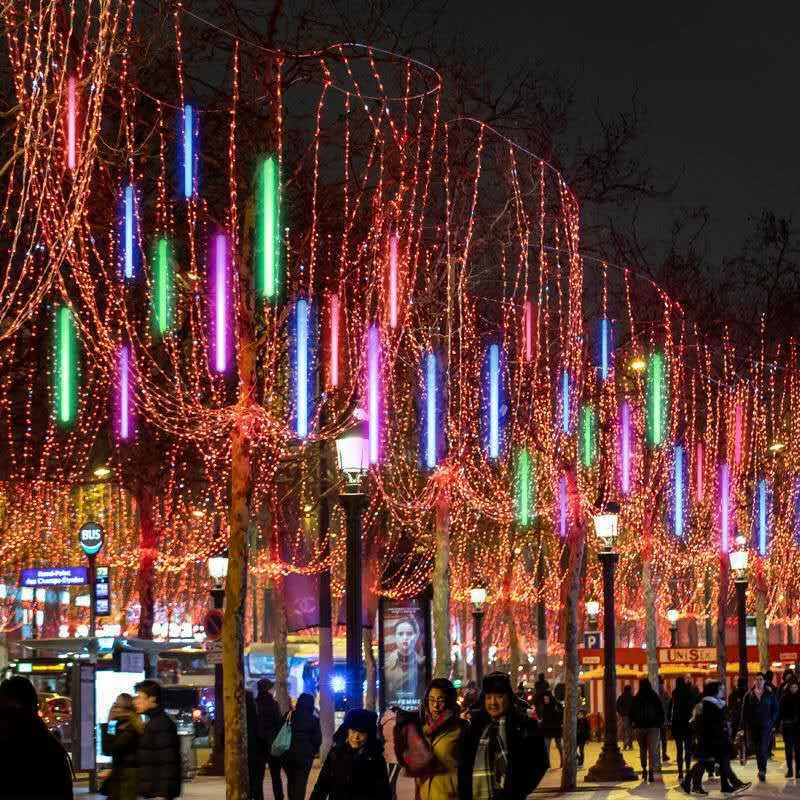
pixel 218 567
pixel 672 616
pixel 739 564
pixel 477 596
pixel 605 525
pixel 352 450
pixel 592 607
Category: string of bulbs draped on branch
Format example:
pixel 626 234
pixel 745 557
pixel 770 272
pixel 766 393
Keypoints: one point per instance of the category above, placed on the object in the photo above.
pixel 424 274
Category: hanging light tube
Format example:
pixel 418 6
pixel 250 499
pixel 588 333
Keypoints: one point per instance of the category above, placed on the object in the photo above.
pixel 334 340
pixel 373 380
pixel 678 489
pixel 430 415
pixel 393 279
pixel 301 360
pixel 625 435
pixel 188 150
pixel 494 401
pixel 71 123
pixel 268 230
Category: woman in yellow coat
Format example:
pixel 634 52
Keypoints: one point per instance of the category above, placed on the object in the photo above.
pixel 443 727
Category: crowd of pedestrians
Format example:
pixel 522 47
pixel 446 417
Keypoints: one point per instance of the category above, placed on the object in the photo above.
pixel 710 732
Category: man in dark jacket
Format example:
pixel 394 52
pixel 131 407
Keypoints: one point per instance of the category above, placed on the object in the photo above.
pixel 33 764
pixel 759 715
pixel 624 710
pixel 503 755
pixel 647 718
pixel 270 720
pixel 683 703
pixel 160 766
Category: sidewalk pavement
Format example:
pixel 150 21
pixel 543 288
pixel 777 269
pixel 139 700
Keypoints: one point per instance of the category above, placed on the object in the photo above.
pixel 776 786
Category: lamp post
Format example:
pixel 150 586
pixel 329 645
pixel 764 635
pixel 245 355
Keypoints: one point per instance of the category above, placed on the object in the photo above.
pixel 593 610
pixel 352 450
pixel 610 766
pixel 672 616
pixel 218 571
pixel 739 558
pixel 477 596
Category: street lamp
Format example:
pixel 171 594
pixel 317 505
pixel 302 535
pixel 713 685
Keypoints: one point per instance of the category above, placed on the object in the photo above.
pixel 672 616
pixel 610 766
pixel 477 596
pixel 218 571
pixel 352 450
pixel 739 558
pixel 593 610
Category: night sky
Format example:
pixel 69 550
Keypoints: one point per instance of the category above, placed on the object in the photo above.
pixel 718 81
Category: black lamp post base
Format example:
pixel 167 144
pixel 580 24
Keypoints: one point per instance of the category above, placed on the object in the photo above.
pixel 611 767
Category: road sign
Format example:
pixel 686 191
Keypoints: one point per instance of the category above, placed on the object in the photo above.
pixel 213 624
pixel 91 538
pixel 592 640
pixel 214 652
pixel 54 577
pixel 102 592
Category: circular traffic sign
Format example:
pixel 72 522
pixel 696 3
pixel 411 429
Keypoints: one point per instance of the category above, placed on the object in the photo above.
pixel 91 538
pixel 213 624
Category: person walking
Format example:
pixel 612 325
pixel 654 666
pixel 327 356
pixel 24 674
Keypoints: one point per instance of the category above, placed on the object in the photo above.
pixel 504 757
pixel 270 719
pixel 647 719
pixel 256 752
pixel 388 724
pixel 355 768
pixel 666 703
pixel 759 715
pixel 33 763
pixel 713 743
pixel 443 730
pixel 551 716
pixel 790 725
pixel 624 710
pixel 160 763
pixel 682 707
pixel 582 734
pixel 121 742
pixel 304 746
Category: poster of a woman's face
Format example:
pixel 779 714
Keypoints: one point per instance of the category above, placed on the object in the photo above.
pixel 404 654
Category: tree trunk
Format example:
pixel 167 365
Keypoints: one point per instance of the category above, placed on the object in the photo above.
pixel 371 669
pixel 541 638
pixel 571 599
pixel 236 775
pixel 762 632
pixel 651 624
pixel 441 587
pixel 148 549
pixel 513 644
pixel 722 603
pixel 280 645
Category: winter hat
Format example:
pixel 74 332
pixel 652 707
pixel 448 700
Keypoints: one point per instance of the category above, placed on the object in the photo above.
pixel 497 683
pixel 361 720
pixel 265 685
pixel 20 691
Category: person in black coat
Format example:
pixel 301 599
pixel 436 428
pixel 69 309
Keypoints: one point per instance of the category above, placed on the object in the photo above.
pixel 355 768
pixel 306 741
pixel 759 715
pixel 790 725
pixel 33 763
pixel 551 720
pixel 120 740
pixel 160 764
pixel 504 749
pixel 647 720
pixel 624 710
pixel 582 734
pixel 270 720
pixel 683 703
pixel 713 743
pixel 256 752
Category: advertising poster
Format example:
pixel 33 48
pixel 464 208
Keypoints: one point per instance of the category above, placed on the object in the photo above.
pixel 404 652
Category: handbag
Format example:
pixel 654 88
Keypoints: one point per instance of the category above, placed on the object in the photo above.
pixel 413 750
pixel 283 739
